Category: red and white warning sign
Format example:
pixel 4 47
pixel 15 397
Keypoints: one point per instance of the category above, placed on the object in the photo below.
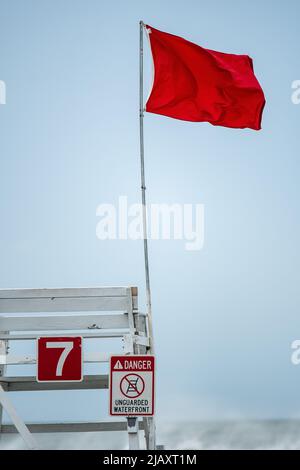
pixel 131 386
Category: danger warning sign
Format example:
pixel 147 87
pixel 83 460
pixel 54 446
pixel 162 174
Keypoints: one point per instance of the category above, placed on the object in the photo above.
pixel 131 386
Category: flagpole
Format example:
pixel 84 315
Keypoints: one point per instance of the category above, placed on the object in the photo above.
pixel 143 190
pixel 149 422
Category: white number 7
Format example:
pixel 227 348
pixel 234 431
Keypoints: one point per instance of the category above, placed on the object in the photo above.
pixel 67 347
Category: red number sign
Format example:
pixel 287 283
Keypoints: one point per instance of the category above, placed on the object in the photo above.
pixel 59 359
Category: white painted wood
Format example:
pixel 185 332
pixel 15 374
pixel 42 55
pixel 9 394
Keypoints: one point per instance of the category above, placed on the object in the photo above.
pixel 16 360
pixel 133 433
pixel 65 292
pixel 66 300
pixel 92 357
pixel 152 433
pixel 19 424
pixel 73 427
pixel 29 384
pixel 96 357
pixel 128 344
pixel 3 352
pixel 75 304
pixel 129 310
pixel 96 334
pixel 141 341
pixel 64 322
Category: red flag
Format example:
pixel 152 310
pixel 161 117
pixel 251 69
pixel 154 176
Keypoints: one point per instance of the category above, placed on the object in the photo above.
pixel 196 84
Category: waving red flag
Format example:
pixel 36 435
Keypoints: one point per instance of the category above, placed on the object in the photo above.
pixel 196 84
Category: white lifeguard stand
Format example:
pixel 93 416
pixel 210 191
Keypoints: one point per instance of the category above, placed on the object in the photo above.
pixel 115 315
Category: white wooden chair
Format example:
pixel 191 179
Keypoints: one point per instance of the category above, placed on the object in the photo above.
pixel 115 315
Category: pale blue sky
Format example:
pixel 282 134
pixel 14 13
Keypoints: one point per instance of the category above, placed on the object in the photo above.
pixel 224 317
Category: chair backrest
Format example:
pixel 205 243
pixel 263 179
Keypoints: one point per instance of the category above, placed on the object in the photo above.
pixel 67 300
pixel 111 300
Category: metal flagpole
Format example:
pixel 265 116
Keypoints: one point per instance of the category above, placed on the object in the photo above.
pixel 149 422
pixel 143 189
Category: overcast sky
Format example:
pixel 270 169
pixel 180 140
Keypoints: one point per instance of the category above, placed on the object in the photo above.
pixel 225 316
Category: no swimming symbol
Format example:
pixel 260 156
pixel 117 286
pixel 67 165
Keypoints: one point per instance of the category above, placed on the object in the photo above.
pixel 132 385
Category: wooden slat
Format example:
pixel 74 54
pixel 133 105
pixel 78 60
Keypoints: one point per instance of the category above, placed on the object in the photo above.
pixel 92 357
pixel 64 322
pixel 95 334
pixel 60 304
pixel 67 300
pixel 73 427
pixel 3 351
pixel 64 292
pixel 29 384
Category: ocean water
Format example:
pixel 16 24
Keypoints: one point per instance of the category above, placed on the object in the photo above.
pixel 235 435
